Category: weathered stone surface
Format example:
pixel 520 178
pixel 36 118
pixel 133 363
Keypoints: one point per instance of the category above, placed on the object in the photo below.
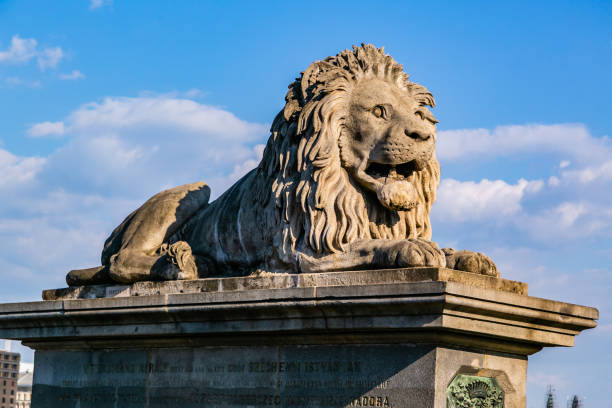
pixel 410 339
pixel 397 375
pixel 442 312
pixel 346 181
pixel 285 281
pixel 509 373
pixel 287 376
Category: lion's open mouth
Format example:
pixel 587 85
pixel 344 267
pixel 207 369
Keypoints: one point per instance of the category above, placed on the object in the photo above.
pixel 392 172
pixel 392 185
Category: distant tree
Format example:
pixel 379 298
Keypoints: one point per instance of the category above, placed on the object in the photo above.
pixel 576 402
pixel 550 401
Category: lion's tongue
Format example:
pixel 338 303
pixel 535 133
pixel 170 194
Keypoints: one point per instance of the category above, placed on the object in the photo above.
pixel 398 195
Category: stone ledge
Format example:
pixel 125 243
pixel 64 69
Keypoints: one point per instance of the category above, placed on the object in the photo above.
pixel 286 281
pixel 449 313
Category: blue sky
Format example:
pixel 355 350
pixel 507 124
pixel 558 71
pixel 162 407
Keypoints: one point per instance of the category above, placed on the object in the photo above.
pixel 104 103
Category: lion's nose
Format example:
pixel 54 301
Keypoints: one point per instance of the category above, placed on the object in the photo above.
pixel 417 135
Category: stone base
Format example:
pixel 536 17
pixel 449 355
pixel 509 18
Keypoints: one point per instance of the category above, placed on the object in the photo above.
pixel 423 337
pixel 402 376
pixel 286 281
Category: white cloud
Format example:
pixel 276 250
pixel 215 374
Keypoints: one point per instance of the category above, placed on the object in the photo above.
pixel 16 171
pixel 553 181
pixel 46 129
pixel 40 247
pixel 193 93
pixel 16 81
pixel 243 168
pixel 504 208
pixel 467 201
pixel 568 221
pixel 572 140
pixel 75 74
pixel 158 113
pixel 138 144
pixel 50 57
pixel 589 174
pixel 567 213
pixel 22 50
pixel 135 145
pixel 95 4
pixel 572 204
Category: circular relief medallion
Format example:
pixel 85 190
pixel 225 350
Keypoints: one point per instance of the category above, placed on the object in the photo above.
pixel 469 391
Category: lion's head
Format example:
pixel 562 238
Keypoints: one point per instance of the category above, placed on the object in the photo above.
pixel 351 156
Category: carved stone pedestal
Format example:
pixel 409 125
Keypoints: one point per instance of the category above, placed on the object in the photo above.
pixel 410 338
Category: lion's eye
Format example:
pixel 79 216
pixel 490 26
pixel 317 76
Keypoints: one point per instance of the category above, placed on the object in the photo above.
pixel 379 111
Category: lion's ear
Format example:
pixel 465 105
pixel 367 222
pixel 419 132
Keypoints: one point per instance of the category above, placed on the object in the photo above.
pixel 422 95
pixel 317 72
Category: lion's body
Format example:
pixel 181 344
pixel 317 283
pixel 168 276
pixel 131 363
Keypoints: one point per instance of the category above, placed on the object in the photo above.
pixel 347 180
pixel 263 222
pixel 229 232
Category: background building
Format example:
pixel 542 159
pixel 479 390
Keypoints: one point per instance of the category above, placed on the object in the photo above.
pixel 24 389
pixel 9 373
pixel 574 402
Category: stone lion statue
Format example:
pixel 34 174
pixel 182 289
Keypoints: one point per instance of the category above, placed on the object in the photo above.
pixel 347 181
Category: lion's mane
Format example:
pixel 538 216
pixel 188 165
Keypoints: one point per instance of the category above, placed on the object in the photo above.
pixel 320 205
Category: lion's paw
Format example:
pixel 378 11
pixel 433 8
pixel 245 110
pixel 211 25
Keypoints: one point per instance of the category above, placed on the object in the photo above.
pixel 470 261
pixel 417 252
pixel 182 263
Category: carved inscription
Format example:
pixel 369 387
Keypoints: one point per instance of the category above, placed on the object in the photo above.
pixel 371 401
pixel 313 376
pixel 117 291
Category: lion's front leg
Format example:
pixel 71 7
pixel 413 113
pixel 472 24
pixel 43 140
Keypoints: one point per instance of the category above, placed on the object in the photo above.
pixel 171 262
pixel 377 253
pixel 470 261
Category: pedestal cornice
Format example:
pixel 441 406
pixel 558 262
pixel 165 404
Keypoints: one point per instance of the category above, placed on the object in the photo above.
pixel 445 310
